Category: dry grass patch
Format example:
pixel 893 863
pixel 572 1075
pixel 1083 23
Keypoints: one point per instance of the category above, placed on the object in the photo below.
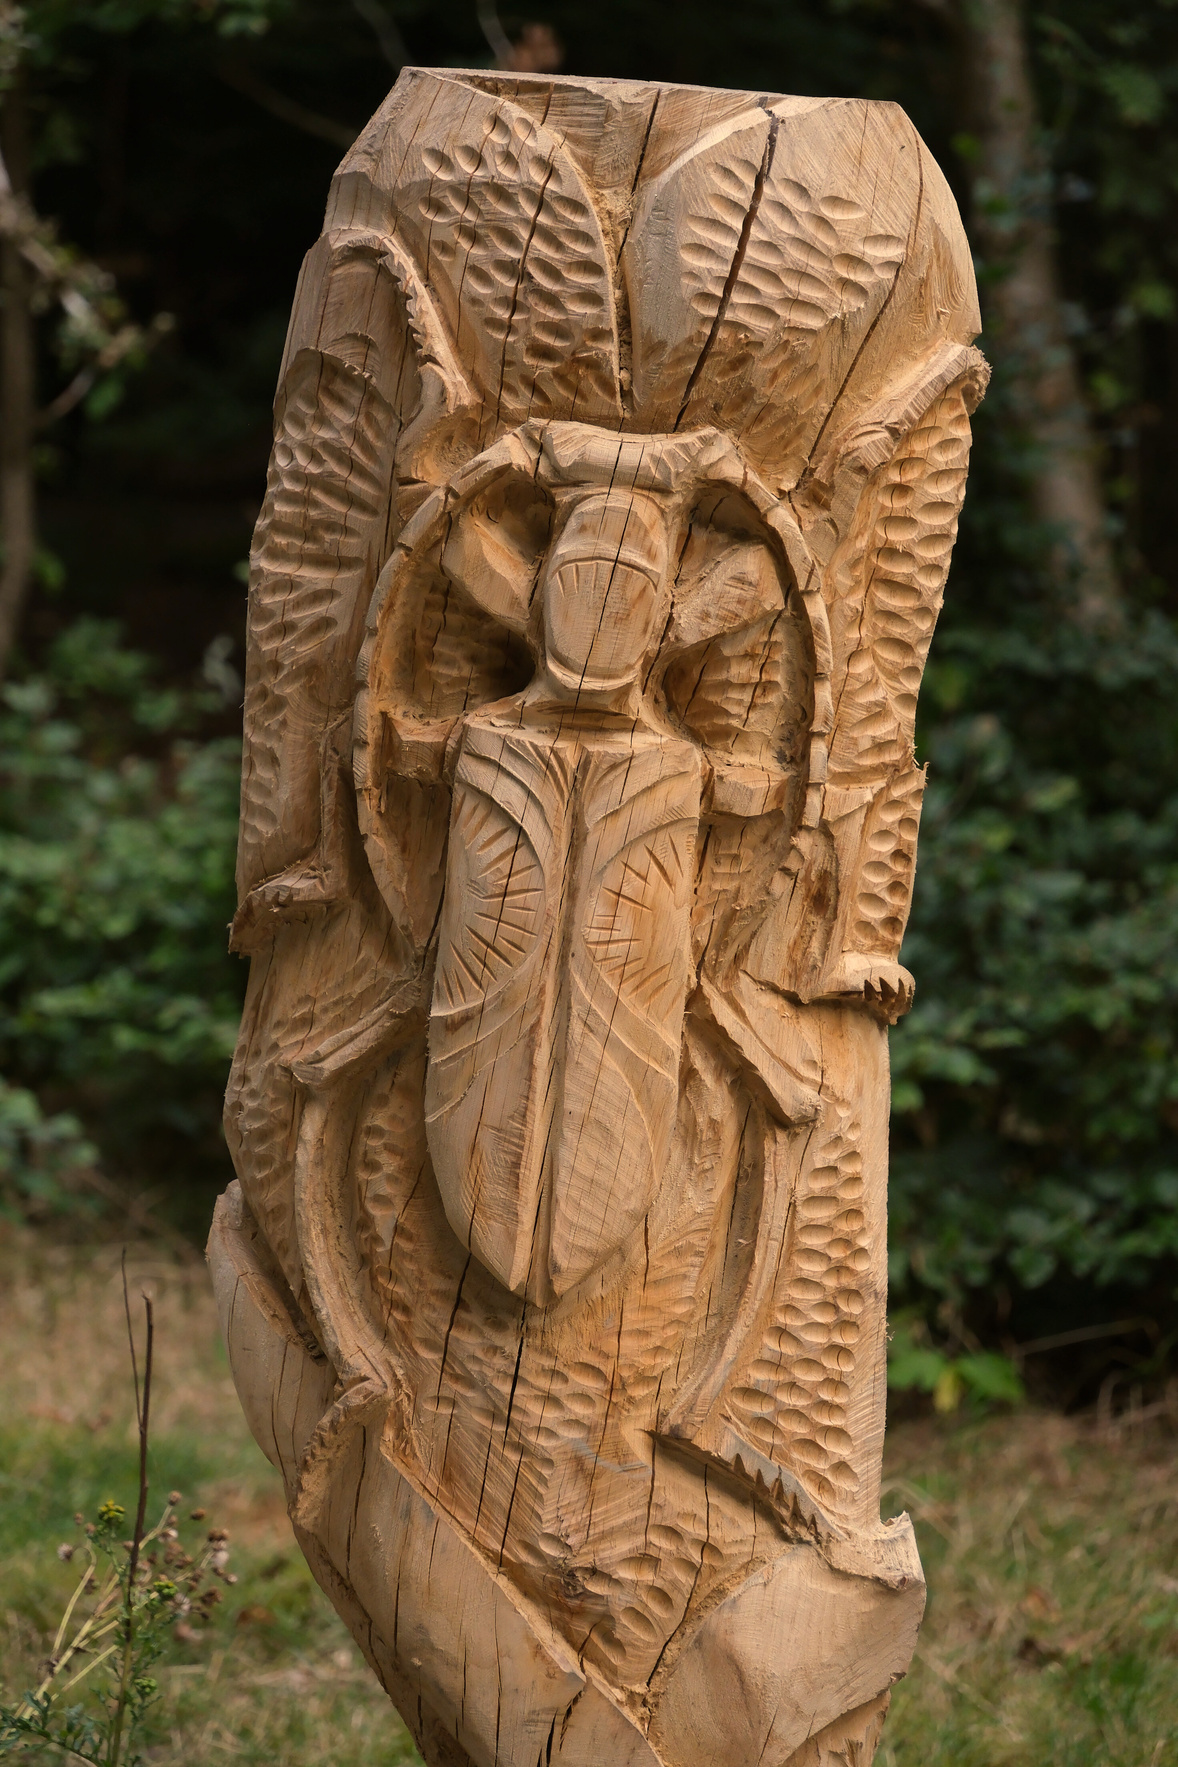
pixel 277 1677
pixel 1051 1637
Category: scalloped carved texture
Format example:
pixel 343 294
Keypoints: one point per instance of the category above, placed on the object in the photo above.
pixel 916 504
pixel 511 243
pixel 317 542
pixel 794 1400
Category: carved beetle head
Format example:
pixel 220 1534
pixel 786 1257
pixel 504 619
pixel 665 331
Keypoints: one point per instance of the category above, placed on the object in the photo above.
pixel 604 589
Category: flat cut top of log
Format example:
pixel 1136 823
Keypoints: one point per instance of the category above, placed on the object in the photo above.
pixel 660 257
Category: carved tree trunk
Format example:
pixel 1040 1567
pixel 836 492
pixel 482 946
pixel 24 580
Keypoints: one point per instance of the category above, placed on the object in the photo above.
pixel 17 395
pixel 620 442
pixel 1013 224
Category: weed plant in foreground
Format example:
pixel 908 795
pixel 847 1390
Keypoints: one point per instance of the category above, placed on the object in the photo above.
pixel 1050 1544
pixel 277 1678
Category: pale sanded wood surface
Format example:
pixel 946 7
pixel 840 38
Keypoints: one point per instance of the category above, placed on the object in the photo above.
pixel 620 442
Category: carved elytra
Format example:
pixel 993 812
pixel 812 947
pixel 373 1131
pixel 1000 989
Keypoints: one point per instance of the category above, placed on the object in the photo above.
pixel 620 441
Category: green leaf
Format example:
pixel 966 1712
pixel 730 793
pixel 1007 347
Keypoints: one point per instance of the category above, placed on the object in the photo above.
pixel 1136 91
pixel 990 1376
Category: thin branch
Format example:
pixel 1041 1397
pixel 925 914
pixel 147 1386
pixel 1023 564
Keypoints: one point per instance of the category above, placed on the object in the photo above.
pixel 80 285
pixel 141 1513
pixel 497 39
pixel 538 49
pixel 144 1415
pixel 287 110
pixel 77 282
pixel 94 1626
pixel 1086 1334
pixel 124 341
pixel 83 1672
pixel 386 30
pixel 59 1639
pixel 139 1213
pixel 131 1342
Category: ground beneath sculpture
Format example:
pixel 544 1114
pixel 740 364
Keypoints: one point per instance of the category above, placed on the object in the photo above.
pixel 1051 1551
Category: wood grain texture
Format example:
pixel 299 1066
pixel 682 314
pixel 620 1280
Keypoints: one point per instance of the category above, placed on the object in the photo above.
pixel 619 448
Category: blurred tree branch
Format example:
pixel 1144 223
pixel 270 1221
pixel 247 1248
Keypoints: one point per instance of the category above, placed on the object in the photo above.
pixel 17 518
pixel 537 50
pixel 287 110
pixel 498 41
pixel 36 267
pixel 386 31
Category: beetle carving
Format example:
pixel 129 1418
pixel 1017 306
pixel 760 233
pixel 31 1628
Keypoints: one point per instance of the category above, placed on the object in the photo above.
pixel 564 949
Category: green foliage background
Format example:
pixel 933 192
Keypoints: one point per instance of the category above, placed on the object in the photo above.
pixel 117 1001
pixel 1036 1121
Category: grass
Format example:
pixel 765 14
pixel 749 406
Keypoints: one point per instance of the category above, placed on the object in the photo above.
pixel 1051 1548
pixel 1051 1636
pixel 276 1678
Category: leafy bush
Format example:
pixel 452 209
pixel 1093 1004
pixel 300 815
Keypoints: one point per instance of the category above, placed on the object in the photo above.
pixel 117 998
pixel 41 1157
pixel 915 1364
pixel 1036 1079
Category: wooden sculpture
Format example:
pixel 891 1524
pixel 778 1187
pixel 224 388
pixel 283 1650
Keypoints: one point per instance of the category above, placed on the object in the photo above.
pixel 620 442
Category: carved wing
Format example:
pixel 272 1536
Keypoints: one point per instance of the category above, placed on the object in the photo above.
pixel 780 273
pixel 738 659
pixel 495 212
pixel 766 300
pixel 319 545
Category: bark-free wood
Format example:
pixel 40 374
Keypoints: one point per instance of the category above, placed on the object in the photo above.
pixel 620 442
